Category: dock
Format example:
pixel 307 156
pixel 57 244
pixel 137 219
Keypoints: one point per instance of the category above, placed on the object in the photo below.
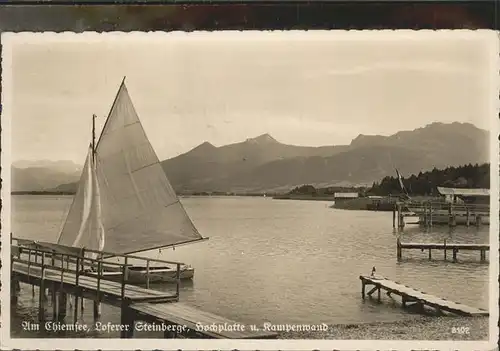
pixel 439 213
pixel 411 297
pixel 445 247
pixel 65 271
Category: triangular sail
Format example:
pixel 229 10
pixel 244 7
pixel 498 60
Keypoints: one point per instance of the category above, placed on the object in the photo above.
pixel 140 210
pixel 83 226
pixel 403 188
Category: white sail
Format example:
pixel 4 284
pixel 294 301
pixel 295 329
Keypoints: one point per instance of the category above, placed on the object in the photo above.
pixel 137 204
pixel 83 226
pixel 87 200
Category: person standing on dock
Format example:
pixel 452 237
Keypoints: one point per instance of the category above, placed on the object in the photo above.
pixel 373 271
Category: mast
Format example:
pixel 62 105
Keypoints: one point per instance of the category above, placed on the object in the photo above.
pixel 93 136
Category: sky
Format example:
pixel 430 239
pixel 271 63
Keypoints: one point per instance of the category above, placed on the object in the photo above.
pixel 304 88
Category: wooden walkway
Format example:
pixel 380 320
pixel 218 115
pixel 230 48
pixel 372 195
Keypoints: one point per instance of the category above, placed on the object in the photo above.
pixel 412 296
pixel 184 315
pixel 66 272
pixel 109 291
pixel 445 247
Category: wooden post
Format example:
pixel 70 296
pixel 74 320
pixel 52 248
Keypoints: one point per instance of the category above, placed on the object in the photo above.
pixel 483 255
pixel 403 301
pixel 445 249
pixel 29 260
pixel 54 301
pixel 97 303
pixel 468 216
pixel 455 255
pixel 178 280
pixel 430 214
pixel 425 215
pixel 378 293
pixel 399 250
pixel 394 216
pixel 430 254
pixel 41 293
pixel 147 274
pixel 363 288
pixel 127 320
pixel 449 215
pixel 124 278
pixel 401 220
pixel 399 215
pixel 62 305
pixel 125 311
pixel 13 294
pixel 478 220
pixel 75 310
pixel 62 300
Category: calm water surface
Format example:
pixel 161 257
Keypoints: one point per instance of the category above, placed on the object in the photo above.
pixel 285 261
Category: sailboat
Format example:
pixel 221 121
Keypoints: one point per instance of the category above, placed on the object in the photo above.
pixel 124 202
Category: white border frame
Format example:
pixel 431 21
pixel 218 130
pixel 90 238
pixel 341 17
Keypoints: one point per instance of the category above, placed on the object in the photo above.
pixel 131 344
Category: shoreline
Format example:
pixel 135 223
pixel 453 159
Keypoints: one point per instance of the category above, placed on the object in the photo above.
pixel 420 328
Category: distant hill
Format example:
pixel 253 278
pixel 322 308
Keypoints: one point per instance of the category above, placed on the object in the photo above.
pixel 42 175
pixel 207 167
pixel 265 164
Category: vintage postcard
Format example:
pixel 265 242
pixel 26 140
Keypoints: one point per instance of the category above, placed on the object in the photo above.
pixel 273 190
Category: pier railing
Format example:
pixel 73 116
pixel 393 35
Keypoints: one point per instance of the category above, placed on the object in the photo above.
pixel 83 262
pixel 440 212
pixel 439 206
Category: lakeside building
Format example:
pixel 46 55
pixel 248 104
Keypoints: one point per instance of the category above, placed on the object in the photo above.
pixel 460 196
pixel 345 196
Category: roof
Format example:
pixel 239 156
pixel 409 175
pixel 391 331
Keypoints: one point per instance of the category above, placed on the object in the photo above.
pixel 463 192
pixel 346 194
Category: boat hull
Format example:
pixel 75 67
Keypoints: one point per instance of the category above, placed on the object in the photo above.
pixel 139 275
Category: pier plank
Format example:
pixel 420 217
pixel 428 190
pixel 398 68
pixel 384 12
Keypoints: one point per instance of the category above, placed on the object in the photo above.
pixel 410 294
pixel 182 314
pixel 442 246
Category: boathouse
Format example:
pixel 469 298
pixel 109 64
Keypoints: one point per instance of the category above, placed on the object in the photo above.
pixel 458 195
pixel 345 196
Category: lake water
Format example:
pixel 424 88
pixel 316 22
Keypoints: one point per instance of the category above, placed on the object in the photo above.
pixel 285 261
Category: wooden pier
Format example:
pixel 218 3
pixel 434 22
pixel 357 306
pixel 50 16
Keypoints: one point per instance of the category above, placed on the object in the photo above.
pixel 67 271
pixel 412 297
pixel 438 213
pixel 445 247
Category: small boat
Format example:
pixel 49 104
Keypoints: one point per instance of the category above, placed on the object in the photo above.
pixel 124 203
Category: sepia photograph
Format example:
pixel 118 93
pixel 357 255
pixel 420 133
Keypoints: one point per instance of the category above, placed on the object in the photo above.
pixel 260 188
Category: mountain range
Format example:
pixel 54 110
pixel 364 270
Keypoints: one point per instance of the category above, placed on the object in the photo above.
pixel 265 164
pixel 43 174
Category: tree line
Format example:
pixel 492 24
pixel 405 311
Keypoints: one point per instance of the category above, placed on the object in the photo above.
pixel 424 183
